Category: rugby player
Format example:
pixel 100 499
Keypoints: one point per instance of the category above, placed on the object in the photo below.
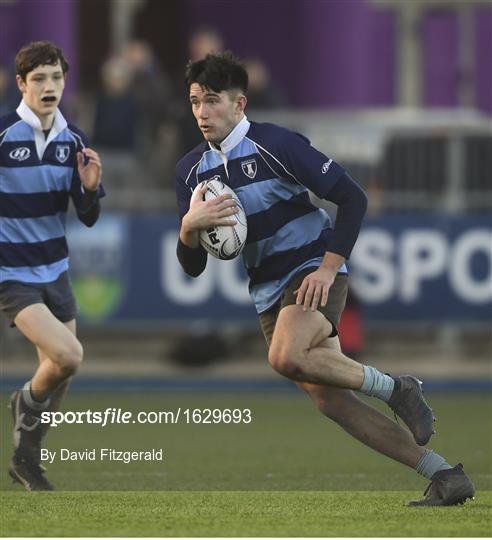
pixel 295 258
pixel 43 162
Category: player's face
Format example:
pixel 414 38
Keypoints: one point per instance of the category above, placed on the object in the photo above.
pixel 42 91
pixel 217 113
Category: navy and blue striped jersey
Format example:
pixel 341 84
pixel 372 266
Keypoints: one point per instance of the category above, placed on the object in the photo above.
pixel 38 175
pixel 271 170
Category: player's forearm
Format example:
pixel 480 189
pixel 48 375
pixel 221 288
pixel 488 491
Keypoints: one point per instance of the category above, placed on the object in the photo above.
pixel 89 208
pixel 191 255
pixel 188 235
pixel 192 260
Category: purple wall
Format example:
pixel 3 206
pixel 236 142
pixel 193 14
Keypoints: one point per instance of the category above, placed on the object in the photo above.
pixel 440 33
pixel 331 53
pixel 266 29
pixel 341 53
pixel 483 56
pixel 440 63
pixel 348 49
pixel 336 53
pixel 31 20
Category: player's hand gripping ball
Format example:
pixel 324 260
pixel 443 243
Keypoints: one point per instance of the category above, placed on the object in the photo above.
pixel 224 241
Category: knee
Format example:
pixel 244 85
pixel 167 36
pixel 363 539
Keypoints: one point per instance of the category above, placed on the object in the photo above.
pixel 68 358
pixel 286 362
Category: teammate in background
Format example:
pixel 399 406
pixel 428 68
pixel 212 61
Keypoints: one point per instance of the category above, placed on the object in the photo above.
pixel 295 259
pixel 43 162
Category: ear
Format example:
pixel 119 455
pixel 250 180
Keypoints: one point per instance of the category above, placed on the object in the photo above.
pixel 241 102
pixel 21 84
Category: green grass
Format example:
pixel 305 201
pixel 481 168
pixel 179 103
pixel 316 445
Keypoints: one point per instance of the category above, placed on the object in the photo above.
pixel 290 472
pixel 232 513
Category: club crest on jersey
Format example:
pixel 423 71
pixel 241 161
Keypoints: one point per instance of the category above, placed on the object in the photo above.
pixel 62 151
pixel 20 154
pixel 249 167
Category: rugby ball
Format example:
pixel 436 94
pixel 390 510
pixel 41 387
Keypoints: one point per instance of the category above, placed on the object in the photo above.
pixel 224 241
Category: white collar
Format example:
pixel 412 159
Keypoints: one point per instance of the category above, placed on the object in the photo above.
pixel 32 120
pixel 234 137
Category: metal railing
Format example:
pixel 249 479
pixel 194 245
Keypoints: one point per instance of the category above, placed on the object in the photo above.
pixel 406 159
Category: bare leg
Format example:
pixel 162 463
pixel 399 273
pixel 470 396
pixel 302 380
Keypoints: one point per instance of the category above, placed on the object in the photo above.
pixel 363 422
pixel 59 394
pixel 302 350
pixel 60 354
pixel 59 351
pixel 293 354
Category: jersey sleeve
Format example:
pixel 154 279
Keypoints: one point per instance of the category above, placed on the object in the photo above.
pixel 351 204
pixel 305 164
pixel 183 195
pixel 297 160
pixel 192 260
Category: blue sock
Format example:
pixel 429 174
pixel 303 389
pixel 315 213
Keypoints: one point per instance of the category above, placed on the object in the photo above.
pixel 377 384
pixel 430 463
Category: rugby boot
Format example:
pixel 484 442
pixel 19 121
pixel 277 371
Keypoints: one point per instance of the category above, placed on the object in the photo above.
pixel 407 401
pixel 29 474
pixel 447 488
pixel 25 466
pixel 27 434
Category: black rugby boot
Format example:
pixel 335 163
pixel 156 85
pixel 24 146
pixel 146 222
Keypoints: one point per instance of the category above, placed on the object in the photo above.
pixel 29 474
pixel 25 467
pixel 407 401
pixel 447 488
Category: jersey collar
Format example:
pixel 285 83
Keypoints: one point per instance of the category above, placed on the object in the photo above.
pixel 32 120
pixel 234 137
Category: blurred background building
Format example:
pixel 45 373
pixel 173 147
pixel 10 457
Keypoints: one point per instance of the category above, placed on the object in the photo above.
pixel 398 91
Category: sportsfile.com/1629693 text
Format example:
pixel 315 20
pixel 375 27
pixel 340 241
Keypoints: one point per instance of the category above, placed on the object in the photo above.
pixel 113 415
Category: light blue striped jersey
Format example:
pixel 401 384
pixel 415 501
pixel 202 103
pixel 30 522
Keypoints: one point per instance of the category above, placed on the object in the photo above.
pixel 37 178
pixel 271 170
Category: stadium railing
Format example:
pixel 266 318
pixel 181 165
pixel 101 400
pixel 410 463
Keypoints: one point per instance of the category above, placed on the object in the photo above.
pixel 430 160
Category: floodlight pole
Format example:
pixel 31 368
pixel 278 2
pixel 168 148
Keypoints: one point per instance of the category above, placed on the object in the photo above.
pixel 409 54
pixel 122 13
pixel 409 14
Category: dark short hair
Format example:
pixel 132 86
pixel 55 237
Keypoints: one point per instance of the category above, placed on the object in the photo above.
pixel 38 53
pixel 217 71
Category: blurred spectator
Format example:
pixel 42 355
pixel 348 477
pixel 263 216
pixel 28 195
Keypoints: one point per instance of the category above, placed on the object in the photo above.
pixel 116 109
pixel 116 125
pixel 150 86
pixel 155 95
pixel 10 97
pixel 204 40
pixel 263 93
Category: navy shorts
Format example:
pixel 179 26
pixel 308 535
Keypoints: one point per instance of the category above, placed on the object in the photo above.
pixel 56 295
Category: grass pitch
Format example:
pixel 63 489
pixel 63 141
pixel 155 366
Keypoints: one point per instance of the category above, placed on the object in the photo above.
pixel 232 513
pixel 290 472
